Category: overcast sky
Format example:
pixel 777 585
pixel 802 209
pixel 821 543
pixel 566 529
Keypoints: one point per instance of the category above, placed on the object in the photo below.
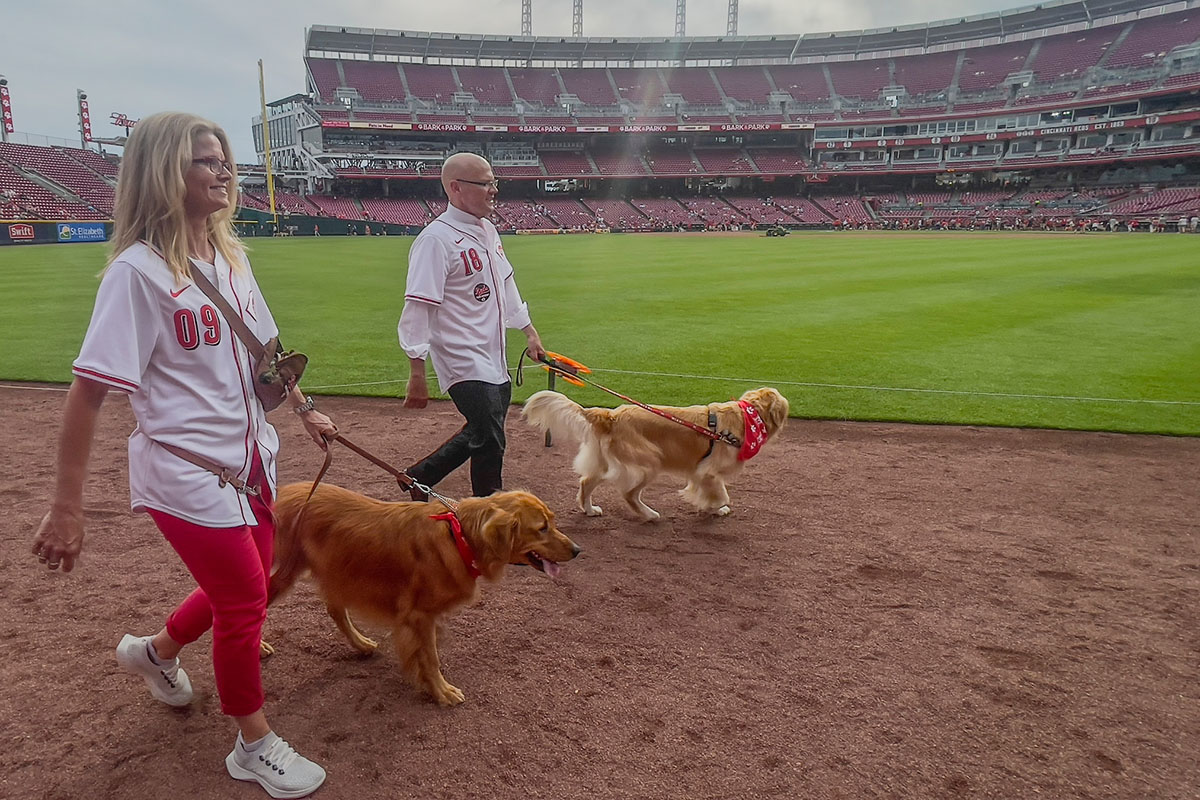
pixel 137 57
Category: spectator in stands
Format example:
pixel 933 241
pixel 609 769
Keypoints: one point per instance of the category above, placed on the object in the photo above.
pixel 197 415
pixel 460 285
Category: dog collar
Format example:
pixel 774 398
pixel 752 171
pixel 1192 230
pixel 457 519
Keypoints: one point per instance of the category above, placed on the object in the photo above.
pixel 460 541
pixel 756 432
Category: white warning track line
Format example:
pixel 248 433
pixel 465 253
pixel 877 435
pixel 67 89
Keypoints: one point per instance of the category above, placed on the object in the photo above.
pixel 765 382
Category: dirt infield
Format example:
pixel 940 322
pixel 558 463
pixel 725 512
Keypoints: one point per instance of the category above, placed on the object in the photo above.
pixel 891 611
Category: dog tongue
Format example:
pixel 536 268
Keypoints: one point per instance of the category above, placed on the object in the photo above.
pixel 550 568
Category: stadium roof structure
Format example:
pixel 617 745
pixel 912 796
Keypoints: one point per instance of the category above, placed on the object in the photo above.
pixel 462 48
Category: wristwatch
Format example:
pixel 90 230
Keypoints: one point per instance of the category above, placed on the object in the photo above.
pixel 308 405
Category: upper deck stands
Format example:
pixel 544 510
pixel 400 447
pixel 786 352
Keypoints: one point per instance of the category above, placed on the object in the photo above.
pixel 695 84
pixel 642 87
pixel 324 73
pixel 1152 38
pixel 430 82
pixel 376 81
pixel 487 84
pixel 746 84
pixel 804 82
pixel 535 85
pixel 926 74
pixel 1071 54
pixel 987 67
pixel 590 85
pixel 860 78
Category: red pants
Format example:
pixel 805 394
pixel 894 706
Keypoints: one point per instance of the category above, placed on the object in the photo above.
pixel 232 567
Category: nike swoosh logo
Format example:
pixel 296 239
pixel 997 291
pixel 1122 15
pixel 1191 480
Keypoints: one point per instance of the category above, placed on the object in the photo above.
pixel 181 291
pixel 460 241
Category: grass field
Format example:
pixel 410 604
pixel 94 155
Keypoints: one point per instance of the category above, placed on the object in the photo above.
pixel 1092 332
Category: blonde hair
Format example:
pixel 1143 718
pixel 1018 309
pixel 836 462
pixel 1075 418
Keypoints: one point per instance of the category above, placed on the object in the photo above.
pixel 151 189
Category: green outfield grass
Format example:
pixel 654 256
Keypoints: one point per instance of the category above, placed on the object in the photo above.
pixel 1091 332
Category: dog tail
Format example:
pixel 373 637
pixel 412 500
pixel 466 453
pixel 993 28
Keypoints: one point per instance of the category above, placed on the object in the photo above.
pixel 562 417
pixel 289 555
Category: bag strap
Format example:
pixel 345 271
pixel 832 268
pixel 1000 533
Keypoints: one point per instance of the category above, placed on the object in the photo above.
pixel 256 348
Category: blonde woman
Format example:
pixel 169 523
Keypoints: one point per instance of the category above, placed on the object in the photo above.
pixel 156 336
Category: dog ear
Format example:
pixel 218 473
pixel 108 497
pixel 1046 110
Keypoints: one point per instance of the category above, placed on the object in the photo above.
pixel 497 536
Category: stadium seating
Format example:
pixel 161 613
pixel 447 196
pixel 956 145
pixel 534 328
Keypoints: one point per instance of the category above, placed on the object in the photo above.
pixel 397 210
pixel 429 82
pixel 925 74
pixel 723 161
pixel 566 163
pixel 536 85
pixel 987 67
pixel 744 84
pixel 487 84
pixel 591 86
pixel 1152 38
pixel 806 83
pixel 376 81
pixel 569 213
pixel 694 84
pixel 617 214
pixel 672 162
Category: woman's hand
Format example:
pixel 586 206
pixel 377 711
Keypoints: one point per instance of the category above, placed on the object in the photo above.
pixel 59 538
pixel 319 426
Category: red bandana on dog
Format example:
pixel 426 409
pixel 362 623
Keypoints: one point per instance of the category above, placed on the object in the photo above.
pixel 756 432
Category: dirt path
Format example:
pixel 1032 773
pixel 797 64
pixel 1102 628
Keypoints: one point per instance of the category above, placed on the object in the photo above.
pixel 891 611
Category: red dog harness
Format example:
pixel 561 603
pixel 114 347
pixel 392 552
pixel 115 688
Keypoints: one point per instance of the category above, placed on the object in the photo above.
pixel 460 541
pixel 756 432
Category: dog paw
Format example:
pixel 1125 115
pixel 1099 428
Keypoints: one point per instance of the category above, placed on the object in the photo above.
pixel 265 650
pixel 723 511
pixel 593 511
pixel 650 515
pixel 449 695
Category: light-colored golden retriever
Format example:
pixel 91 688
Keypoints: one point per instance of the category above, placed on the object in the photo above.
pixel 394 563
pixel 630 446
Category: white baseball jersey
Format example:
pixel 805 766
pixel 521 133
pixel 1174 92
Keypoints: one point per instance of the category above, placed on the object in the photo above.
pixel 190 382
pixel 459 299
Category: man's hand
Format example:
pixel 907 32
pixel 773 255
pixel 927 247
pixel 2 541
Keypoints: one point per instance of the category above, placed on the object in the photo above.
pixel 533 343
pixel 417 393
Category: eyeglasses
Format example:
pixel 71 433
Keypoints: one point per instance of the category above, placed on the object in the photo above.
pixel 493 184
pixel 214 164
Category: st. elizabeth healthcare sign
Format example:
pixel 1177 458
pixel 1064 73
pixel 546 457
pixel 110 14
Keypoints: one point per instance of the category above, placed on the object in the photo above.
pixel 81 232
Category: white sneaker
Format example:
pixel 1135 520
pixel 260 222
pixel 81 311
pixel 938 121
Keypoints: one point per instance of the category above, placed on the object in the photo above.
pixel 276 766
pixel 169 684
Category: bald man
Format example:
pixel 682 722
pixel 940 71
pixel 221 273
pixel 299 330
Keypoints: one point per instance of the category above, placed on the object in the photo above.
pixel 459 300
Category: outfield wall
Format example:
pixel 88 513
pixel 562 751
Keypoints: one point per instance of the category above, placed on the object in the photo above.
pixel 24 231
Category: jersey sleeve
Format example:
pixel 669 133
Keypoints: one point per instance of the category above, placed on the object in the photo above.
pixel 123 331
pixel 516 310
pixel 427 266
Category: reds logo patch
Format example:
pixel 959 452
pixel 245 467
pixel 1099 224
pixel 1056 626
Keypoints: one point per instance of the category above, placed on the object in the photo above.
pixel 482 292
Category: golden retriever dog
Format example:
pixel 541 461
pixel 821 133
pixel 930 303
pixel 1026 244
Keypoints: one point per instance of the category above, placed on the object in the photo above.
pixel 395 564
pixel 630 446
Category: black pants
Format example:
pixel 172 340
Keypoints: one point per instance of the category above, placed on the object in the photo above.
pixel 485 406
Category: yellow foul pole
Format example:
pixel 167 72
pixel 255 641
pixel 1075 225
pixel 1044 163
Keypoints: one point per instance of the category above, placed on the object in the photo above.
pixel 262 97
